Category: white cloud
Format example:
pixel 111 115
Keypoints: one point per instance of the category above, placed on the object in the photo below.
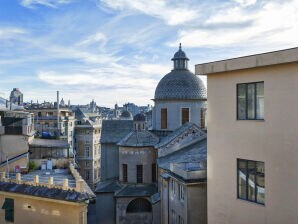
pixel 274 24
pixel 48 3
pixel 10 32
pixel 154 69
pixel 95 38
pixel 171 13
pixel 104 79
pixel 246 2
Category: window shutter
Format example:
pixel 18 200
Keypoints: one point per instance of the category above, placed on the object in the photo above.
pixel 185 115
pixel 164 118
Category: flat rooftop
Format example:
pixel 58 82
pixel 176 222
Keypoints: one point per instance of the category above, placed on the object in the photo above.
pixel 57 174
pixel 49 143
pixel 246 62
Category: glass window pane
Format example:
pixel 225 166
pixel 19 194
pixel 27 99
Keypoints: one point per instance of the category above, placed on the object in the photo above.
pixel 242 172
pixel 241 91
pixel 260 100
pixel 251 166
pixel 260 182
pixel 251 101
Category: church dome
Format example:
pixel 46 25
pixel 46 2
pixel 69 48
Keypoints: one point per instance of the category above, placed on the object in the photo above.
pixel 180 83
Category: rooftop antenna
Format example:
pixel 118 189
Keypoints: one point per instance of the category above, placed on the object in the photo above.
pixel 58 128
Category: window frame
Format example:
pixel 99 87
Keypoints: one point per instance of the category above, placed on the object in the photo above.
pixel 140 175
pixel 154 171
pixel 181 115
pixel 246 101
pixel 124 174
pixel 246 184
pixel 164 120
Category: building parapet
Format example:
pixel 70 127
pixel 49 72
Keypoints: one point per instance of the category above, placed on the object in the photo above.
pixel 80 185
pixel 190 170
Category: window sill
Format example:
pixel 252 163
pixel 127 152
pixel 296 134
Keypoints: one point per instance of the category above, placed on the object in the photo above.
pixel 261 120
pixel 251 202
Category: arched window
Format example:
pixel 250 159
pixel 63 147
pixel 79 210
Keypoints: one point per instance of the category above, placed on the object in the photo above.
pixel 139 205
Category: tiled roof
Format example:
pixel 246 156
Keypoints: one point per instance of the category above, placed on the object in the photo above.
pixel 45 192
pixel 193 153
pixel 180 85
pixel 108 187
pixel 139 138
pixel 114 130
pixel 137 190
pixel 155 198
pixel 171 136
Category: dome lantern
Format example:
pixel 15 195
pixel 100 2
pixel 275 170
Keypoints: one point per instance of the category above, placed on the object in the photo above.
pixel 180 59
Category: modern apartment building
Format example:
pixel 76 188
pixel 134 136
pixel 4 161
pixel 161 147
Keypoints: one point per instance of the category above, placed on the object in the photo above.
pixel 252 138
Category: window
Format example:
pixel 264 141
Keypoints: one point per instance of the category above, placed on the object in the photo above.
pixel 8 206
pixel 87 174
pixel 153 173
pixel 251 180
pixel 139 173
pixel 173 187
pixel 87 151
pixel 164 118
pixel 173 216
pixel 87 164
pixel 124 172
pixel 180 220
pixel 250 101
pixel 181 192
pixel 203 118
pixel 184 115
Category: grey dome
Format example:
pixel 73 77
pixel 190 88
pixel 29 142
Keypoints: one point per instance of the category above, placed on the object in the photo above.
pixel 180 84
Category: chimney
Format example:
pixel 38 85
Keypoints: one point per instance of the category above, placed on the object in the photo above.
pixel 80 185
pixel 2 177
pixel 36 179
pixel 51 181
pixel 18 178
pixel 65 184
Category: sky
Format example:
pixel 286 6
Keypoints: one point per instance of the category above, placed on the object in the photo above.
pixel 116 51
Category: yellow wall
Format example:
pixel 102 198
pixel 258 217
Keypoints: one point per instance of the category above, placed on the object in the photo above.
pixel 273 141
pixel 43 210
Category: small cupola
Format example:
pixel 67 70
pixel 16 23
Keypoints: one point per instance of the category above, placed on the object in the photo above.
pixel 139 121
pixel 180 59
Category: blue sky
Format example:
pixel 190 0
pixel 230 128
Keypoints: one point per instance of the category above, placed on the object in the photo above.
pixel 118 50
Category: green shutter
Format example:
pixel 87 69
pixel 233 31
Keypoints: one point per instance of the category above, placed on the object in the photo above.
pixel 8 205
